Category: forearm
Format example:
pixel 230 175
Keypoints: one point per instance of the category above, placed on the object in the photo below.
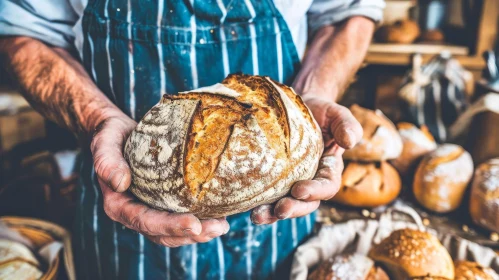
pixel 333 57
pixel 56 84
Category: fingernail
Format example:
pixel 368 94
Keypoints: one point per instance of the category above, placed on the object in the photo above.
pixel 214 234
pixel 116 180
pixel 190 232
pixel 351 137
pixel 303 197
pixel 282 216
pixel 227 228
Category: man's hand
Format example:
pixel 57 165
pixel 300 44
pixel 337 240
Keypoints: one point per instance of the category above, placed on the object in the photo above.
pixel 164 228
pixel 340 131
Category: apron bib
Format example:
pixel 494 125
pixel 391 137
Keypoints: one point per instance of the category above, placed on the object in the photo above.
pixel 136 51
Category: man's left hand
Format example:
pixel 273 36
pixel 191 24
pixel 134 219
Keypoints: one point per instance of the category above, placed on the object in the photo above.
pixel 340 131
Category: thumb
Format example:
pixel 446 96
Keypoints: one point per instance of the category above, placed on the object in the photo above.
pixel 107 150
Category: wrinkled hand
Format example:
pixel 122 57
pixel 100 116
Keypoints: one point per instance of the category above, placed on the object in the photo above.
pixel 340 131
pixel 113 172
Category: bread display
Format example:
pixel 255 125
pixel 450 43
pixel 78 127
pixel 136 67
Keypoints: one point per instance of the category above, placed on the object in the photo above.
pixel 348 267
pixel 441 178
pixel 223 149
pixel 409 253
pixel 466 270
pixel 484 201
pixel 17 262
pixel 368 184
pixel 380 140
pixel 402 31
pixel 416 143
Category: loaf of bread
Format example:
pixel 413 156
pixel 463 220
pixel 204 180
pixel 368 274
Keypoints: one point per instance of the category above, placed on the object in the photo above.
pixel 223 149
pixel 380 140
pixel 432 36
pixel 17 262
pixel 368 184
pixel 441 178
pixel 472 271
pixel 401 31
pixel 416 143
pixel 348 267
pixel 484 201
pixel 408 253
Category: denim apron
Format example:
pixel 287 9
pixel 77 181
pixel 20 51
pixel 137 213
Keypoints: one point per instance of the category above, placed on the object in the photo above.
pixel 136 51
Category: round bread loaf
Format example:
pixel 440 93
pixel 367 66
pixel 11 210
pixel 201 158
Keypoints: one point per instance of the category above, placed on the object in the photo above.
pixel 441 178
pixel 484 201
pixel 368 184
pixel 401 31
pixel 380 140
pixel 223 149
pixel 348 267
pixel 409 253
pixel 416 143
pixel 472 271
pixel 17 262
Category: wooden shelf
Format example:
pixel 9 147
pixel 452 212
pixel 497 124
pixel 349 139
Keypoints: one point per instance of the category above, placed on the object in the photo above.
pixel 416 48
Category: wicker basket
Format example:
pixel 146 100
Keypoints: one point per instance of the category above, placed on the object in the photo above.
pixel 41 233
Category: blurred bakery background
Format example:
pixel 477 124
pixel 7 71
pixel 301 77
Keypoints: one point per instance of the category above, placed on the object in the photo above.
pixel 432 70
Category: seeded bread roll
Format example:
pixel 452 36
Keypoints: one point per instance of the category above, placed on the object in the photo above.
pixel 224 149
pixel 484 201
pixel 368 184
pixel 442 177
pixel 472 271
pixel 348 267
pixel 416 143
pixel 380 140
pixel 409 253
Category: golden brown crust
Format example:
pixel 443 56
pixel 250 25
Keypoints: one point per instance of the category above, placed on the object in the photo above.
pixel 416 143
pixel 401 31
pixel 432 36
pixel 368 184
pixel 408 253
pixel 380 140
pixel 441 178
pixel 484 199
pixel 466 270
pixel 223 149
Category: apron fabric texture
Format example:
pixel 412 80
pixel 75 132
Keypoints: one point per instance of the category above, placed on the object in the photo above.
pixel 136 51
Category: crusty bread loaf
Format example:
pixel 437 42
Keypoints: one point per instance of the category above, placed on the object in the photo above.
pixel 368 184
pixel 416 143
pixel 409 253
pixel 224 149
pixel 17 262
pixel 484 201
pixel 380 140
pixel 348 267
pixel 401 31
pixel 442 177
pixel 473 271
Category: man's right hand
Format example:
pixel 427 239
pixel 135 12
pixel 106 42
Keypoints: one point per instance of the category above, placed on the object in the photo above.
pixel 113 172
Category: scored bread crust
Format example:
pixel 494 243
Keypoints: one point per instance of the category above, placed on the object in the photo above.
pixel 368 184
pixel 348 267
pixel 380 140
pixel 441 178
pixel 409 253
pixel 466 270
pixel 224 149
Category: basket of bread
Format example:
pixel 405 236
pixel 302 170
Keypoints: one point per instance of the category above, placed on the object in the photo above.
pixel 30 249
pixel 392 247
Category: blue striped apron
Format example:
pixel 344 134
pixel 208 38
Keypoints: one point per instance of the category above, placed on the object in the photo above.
pixel 138 50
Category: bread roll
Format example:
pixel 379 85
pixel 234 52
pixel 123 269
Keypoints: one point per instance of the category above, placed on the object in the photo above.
pixel 472 271
pixel 17 262
pixel 223 149
pixel 432 36
pixel 409 253
pixel 441 178
pixel 380 140
pixel 484 201
pixel 416 143
pixel 401 31
pixel 368 184
pixel 348 267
